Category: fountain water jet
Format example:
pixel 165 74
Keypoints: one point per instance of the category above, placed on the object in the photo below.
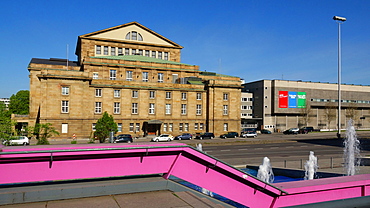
pixel 265 171
pixel 310 166
pixel 351 150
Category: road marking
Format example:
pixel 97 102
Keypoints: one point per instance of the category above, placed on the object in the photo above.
pixel 274 147
pixel 242 149
pixel 259 148
pixel 225 150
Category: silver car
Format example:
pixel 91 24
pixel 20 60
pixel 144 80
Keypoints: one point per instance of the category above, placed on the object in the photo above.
pixel 163 138
pixel 18 140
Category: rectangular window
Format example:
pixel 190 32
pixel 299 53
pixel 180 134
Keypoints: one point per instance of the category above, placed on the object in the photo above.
pixel 128 75
pixel 183 96
pixel 95 75
pixel 98 49
pixel 196 126
pixel 160 77
pixel 135 94
pixel 183 109
pixel 168 109
pixel 140 52
pixel 119 127
pixel 112 51
pixel 226 127
pixel 105 50
pixel 181 126
pixel 65 106
pixel 201 126
pixel 98 92
pixel 137 127
pixel 127 51
pixel 133 51
pixel 165 55
pixel 199 110
pixel 151 108
pixel 64 128
pixel 174 78
pixel 226 96
pixel 113 74
pixel 65 90
pixel 117 108
pixel 98 107
pixel 131 128
pixel 145 76
pixel 168 95
pixel 199 96
pixel 134 35
pixel 160 55
pixel 170 127
pixel 165 127
pixel 93 127
pixel 134 109
pixel 117 93
pixel 226 110
pixel 151 94
pixel 186 127
pixel 147 53
pixel 154 55
pixel 120 52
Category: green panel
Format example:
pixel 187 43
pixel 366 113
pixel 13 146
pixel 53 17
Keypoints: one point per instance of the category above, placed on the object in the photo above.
pixel 301 99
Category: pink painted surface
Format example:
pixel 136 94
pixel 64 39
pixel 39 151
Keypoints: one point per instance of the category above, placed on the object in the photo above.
pixel 68 162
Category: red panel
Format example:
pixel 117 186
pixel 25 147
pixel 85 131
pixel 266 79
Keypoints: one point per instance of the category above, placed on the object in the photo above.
pixel 283 99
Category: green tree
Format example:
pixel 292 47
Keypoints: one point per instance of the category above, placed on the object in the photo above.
pixel 6 124
pixel 104 126
pixel 42 132
pixel 19 103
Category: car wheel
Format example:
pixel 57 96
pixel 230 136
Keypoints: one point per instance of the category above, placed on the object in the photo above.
pixel 169 140
pixel 179 138
pixel 201 138
pixel 235 137
pixel 129 142
pixel 212 137
pixel 25 143
pixel 157 140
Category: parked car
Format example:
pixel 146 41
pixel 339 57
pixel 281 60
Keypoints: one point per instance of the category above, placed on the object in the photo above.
pixel 230 135
pixel 303 131
pixel 184 136
pixel 265 131
pixel 207 135
pixel 247 130
pixel 123 138
pixel 17 140
pixel 249 134
pixel 291 131
pixel 308 128
pixel 163 138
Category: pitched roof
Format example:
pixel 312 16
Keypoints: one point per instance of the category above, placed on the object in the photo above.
pixel 94 34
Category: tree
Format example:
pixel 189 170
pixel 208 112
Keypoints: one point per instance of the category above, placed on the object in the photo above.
pixel 6 124
pixel 104 126
pixel 329 113
pixel 306 114
pixel 19 103
pixel 42 132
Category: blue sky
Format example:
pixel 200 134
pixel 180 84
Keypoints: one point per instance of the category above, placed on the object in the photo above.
pixel 251 39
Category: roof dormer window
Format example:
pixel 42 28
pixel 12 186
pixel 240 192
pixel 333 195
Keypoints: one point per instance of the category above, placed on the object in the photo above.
pixel 133 35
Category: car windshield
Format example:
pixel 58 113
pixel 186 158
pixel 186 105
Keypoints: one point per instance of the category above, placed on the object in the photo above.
pixel 164 135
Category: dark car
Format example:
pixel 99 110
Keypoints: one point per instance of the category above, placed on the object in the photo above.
pixel 184 136
pixel 230 135
pixel 123 138
pixel 207 135
pixel 265 131
pixel 291 131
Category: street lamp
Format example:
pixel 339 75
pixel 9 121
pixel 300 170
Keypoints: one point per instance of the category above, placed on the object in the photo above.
pixel 339 20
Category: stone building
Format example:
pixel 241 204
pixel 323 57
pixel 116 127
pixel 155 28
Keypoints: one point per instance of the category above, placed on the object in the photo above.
pixel 283 104
pixel 134 74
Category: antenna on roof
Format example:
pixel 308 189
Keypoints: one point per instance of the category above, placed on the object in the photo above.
pixel 67 56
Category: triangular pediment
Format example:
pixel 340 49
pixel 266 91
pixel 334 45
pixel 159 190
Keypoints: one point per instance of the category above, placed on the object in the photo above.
pixel 120 33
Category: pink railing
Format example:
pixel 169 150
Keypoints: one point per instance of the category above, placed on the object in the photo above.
pixel 71 162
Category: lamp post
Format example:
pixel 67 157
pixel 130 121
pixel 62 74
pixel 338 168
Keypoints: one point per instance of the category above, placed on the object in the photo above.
pixel 339 20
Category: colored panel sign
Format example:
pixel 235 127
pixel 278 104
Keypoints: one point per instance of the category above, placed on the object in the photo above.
pixel 283 99
pixel 301 99
pixel 292 99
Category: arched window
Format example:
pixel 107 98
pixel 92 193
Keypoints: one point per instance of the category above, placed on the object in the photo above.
pixel 133 35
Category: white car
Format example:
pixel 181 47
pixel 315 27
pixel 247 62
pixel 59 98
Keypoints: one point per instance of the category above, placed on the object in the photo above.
pixel 18 140
pixel 163 138
pixel 249 134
